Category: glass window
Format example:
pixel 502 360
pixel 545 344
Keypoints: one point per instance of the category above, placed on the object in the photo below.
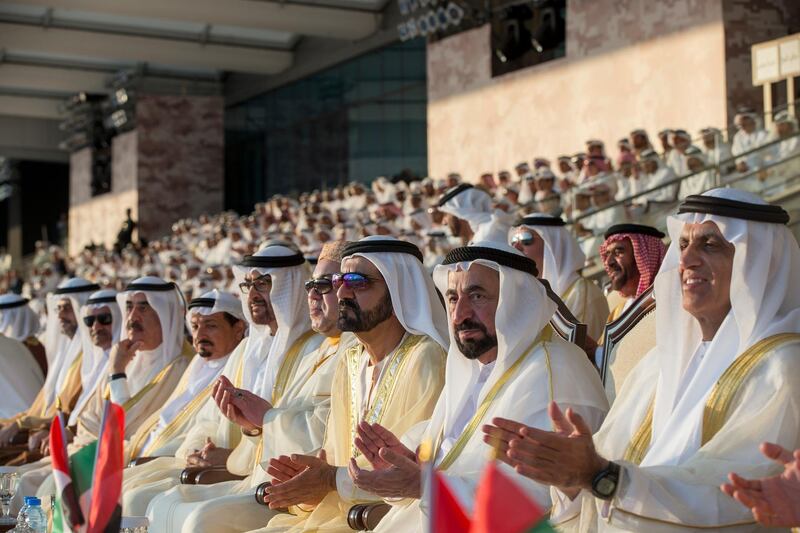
pixel 357 120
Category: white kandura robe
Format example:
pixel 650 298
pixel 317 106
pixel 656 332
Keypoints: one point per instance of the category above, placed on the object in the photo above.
pixel 20 377
pixel 144 482
pixel 525 398
pixel 670 498
pixel 295 425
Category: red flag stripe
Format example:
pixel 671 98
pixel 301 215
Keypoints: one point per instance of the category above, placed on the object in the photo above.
pixel 107 479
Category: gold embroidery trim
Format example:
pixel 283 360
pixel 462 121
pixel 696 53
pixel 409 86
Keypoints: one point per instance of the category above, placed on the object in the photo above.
pixel 285 374
pixel 188 410
pixel 289 366
pixel 719 401
pixel 729 384
pixel 186 352
pixel 472 426
pixel 384 388
pixel 638 446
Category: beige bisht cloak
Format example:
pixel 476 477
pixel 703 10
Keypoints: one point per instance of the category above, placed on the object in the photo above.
pixel 169 510
pixel 405 395
pixel 589 305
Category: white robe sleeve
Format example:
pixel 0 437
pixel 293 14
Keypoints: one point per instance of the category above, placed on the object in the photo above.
pixel 663 498
pixel 120 392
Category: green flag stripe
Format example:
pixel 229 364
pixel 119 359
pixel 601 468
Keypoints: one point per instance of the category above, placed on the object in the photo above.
pixel 543 526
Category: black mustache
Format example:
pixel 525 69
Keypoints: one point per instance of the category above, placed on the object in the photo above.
pixel 135 326
pixel 470 324
pixel 348 303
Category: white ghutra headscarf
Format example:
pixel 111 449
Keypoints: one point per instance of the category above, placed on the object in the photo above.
pixel 61 350
pixel 289 271
pixel 95 360
pixel 765 300
pixel 167 301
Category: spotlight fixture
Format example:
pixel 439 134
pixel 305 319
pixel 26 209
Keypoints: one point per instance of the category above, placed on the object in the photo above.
pixel 455 13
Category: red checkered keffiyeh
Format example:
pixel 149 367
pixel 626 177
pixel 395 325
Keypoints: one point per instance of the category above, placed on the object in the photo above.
pixel 648 251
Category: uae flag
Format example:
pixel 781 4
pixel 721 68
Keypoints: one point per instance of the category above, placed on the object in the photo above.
pixel 89 491
pixel 502 506
pixel 67 515
pixel 104 509
pixel 447 514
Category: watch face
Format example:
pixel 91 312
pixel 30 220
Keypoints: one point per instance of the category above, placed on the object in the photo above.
pixel 606 486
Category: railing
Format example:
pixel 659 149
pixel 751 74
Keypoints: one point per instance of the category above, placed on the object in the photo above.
pixel 772 180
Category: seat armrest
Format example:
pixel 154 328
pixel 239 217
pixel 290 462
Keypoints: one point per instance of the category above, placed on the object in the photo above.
pixel 366 516
pixel 142 460
pixel 261 492
pixel 213 475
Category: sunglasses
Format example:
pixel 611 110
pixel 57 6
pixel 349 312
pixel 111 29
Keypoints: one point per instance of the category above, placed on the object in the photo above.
pixel 523 237
pixel 321 285
pixel 261 284
pixel 354 281
pixel 105 319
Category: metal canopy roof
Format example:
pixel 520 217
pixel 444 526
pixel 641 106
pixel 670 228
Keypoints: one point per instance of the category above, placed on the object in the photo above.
pixel 50 49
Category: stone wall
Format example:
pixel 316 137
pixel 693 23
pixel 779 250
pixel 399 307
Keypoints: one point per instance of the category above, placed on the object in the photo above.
pixel 169 167
pixel 748 22
pixel 628 64
pixel 180 167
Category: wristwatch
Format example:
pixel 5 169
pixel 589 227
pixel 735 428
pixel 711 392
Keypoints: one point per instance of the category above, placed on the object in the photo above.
pixel 252 432
pixel 604 484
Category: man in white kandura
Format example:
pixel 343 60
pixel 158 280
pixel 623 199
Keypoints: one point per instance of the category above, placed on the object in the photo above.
pixel 21 375
pixel 503 360
pixel 559 259
pixel 217 325
pixel 282 271
pixel 211 437
pixel 722 378
pixel 392 376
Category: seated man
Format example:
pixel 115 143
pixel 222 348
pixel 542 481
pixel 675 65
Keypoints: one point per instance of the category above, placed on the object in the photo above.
pixel 23 364
pixel 217 326
pixel 144 367
pixel 559 259
pixel 99 327
pixel 281 272
pixel 500 363
pixel 470 216
pixel 392 376
pixel 632 255
pixel 722 378
pixel 63 345
pixel 212 437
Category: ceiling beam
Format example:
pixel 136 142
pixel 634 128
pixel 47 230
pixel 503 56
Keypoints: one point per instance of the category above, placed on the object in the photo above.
pixel 319 21
pixel 58 80
pixel 27 106
pixel 21 37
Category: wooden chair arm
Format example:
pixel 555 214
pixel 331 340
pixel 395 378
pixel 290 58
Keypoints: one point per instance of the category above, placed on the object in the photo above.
pixel 260 492
pixel 366 516
pixel 213 475
pixel 189 474
pixel 141 460
pixel 21 438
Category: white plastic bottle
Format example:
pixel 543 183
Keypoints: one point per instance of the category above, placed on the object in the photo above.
pixel 37 520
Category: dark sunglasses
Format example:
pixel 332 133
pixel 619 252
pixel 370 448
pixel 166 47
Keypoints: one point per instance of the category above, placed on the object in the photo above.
pixel 105 319
pixel 355 281
pixel 261 284
pixel 523 238
pixel 321 285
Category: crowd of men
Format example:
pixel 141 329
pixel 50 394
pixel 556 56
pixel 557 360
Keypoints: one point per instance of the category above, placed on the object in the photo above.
pixel 280 369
